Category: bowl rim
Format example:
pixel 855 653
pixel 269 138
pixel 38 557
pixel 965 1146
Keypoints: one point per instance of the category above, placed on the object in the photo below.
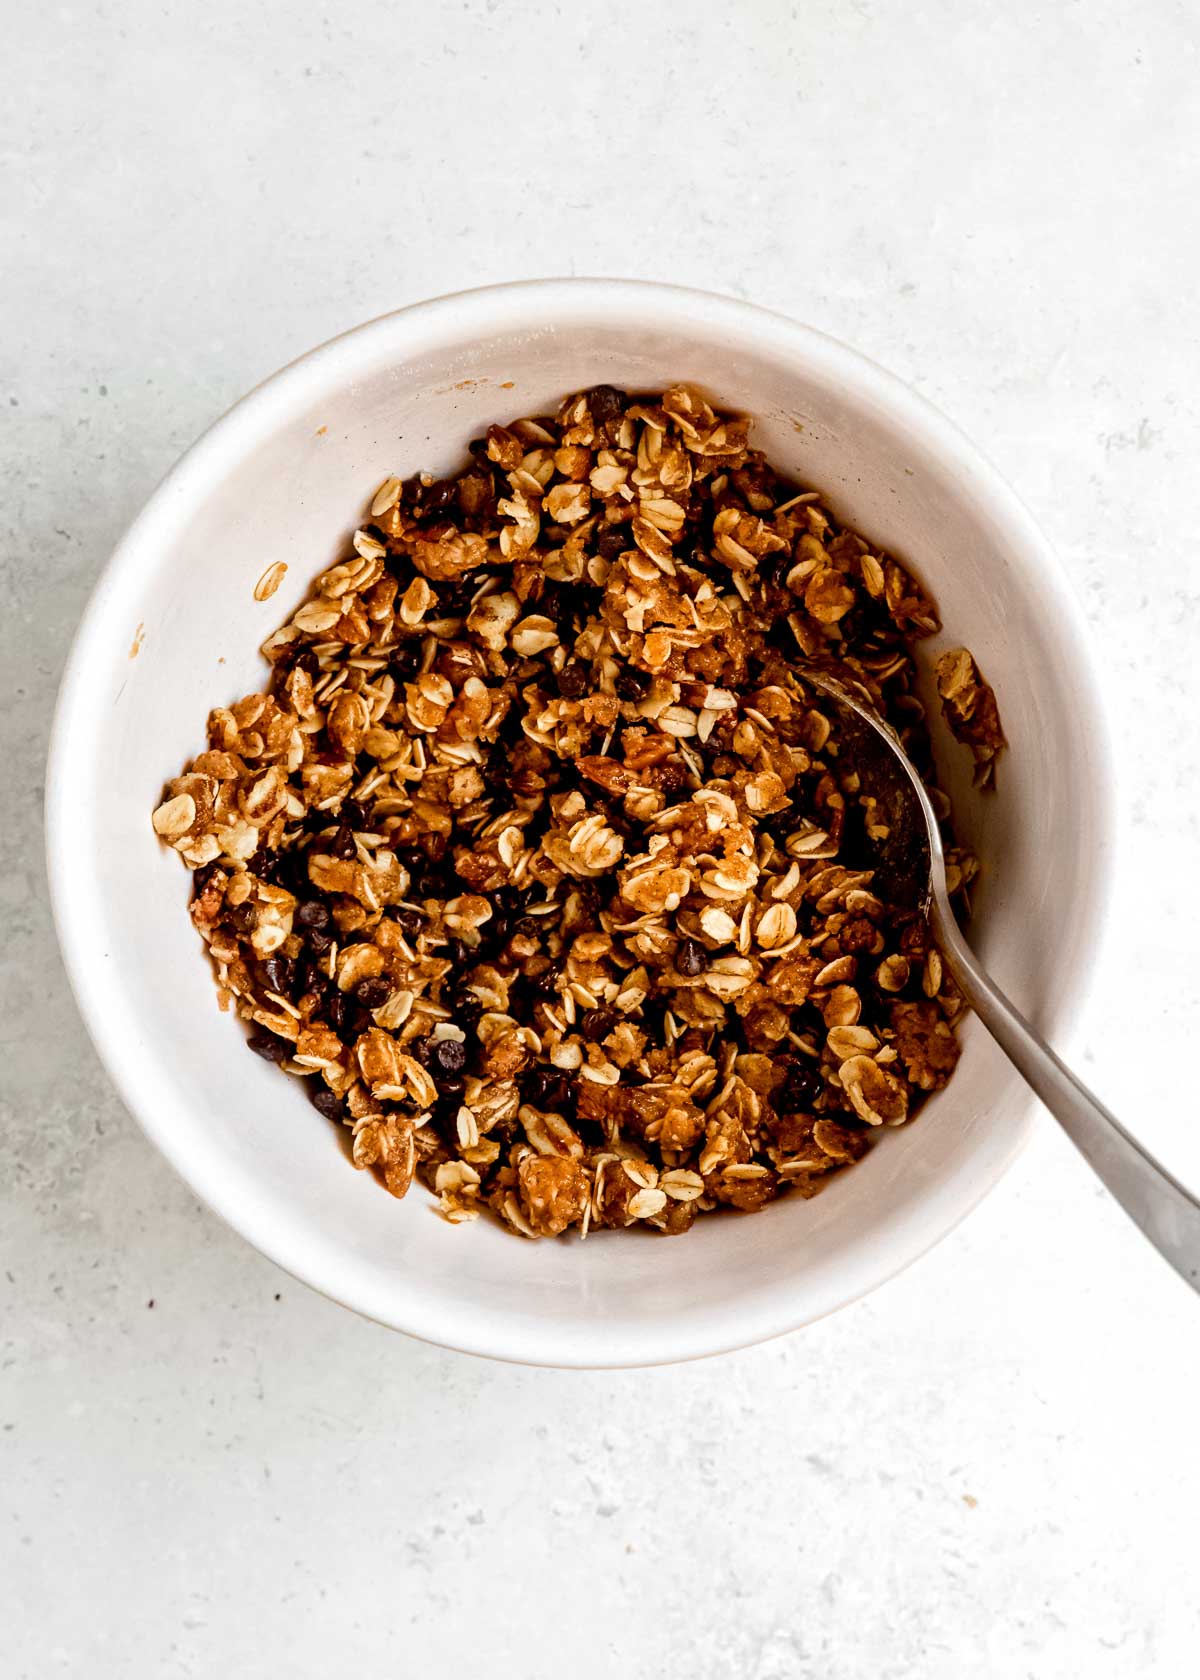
pixel 395 333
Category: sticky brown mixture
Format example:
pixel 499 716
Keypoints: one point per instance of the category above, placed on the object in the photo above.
pixel 539 862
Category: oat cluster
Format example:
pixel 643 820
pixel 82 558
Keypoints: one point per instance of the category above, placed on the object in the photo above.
pixel 539 861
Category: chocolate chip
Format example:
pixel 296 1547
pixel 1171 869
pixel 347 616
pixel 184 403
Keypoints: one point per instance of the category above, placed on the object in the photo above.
pixel 605 403
pixel 454 598
pixel 270 1048
pixel 266 865
pixel 281 974
pixel 354 815
pixel 373 992
pixel 409 920
pixel 203 878
pixel 437 497
pixel 497 773
pixel 312 913
pixel 598 1023
pixel 573 680
pixel 448 1056
pixel 466 1009
pixel 406 661
pixel 311 977
pixel 546 985
pixel 614 540
pixel 691 958
pixel 244 918
pixel 325 1101
pixel 318 942
pixel 546 1088
pixel 459 953
pixel 631 685
pixel 342 845
pixel 428 883
pixel 347 1017
pixel 800 1089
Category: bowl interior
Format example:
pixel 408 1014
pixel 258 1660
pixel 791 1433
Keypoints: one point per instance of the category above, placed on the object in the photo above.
pixel 174 629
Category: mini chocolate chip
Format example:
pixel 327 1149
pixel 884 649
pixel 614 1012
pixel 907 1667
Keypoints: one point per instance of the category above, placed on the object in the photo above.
pixel 546 1088
pixel 495 932
pixel 800 1089
pixel 409 920
pixel 318 942
pixel 459 953
pixel 266 865
pixel 311 977
pixel 438 496
pixel 614 540
pixel 354 814
pixel 466 1009
pixel 497 772
pixel 448 1056
pixel 312 913
pixel 598 1023
pixel 347 1017
pixel 373 992
pixel 283 869
pixel 691 958
pixel 454 597
pixel 630 685
pixel 573 680
pixel 270 1048
pixel 203 877
pixel 406 661
pixel 546 985
pixel 244 918
pixel 325 1101
pixel 605 402
pixel 281 974
pixel 342 844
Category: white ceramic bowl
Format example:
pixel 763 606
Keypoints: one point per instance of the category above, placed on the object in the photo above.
pixel 173 629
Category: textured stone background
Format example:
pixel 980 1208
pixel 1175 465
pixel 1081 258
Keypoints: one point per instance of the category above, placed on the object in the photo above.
pixel 990 1466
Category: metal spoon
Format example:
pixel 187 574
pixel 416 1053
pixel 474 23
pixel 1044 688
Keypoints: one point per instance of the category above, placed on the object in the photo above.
pixel 916 870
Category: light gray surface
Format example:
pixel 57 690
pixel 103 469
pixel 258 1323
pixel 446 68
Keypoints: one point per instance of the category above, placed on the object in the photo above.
pixel 987 1468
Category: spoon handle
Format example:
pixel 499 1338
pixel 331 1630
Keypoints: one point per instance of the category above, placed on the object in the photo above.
pixel 1155 1200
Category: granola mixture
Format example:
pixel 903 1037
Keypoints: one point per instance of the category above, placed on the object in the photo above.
pixel 538 861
